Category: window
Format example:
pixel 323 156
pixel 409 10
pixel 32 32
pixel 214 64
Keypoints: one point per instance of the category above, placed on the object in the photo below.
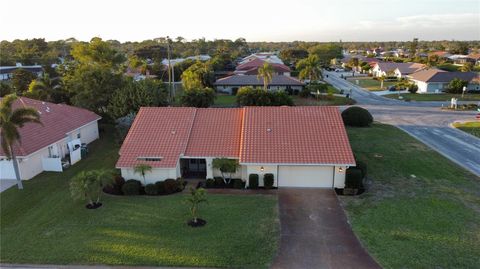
pixel 78 135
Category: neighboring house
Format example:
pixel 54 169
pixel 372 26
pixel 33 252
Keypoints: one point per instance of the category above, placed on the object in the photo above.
pixel 459 59
pixel 231 84
pixel 436 80
pixel 301 146
pixel 390 69
pixel 6 72
pixel 441 54
pixel 137 74
pixel 475 57
pixel 49 146
pixel 371 61
pixel 270 57
pixel 201 57
pixel 251 68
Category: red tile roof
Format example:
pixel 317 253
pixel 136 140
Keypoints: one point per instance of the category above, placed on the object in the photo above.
pixel 216 133
pixel 288 135
pixel 295 135
pixel 157 132
pixel 57 119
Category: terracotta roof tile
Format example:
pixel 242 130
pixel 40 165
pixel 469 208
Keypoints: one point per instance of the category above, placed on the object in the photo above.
pixel 57 120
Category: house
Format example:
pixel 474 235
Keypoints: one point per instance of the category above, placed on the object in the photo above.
pixel 48 147
pixel 459 59
pixel 300 146
pixel 231 84
pixel 6 72
pixel 389 69
pixel 269 57
pixel 138 73
pixel 436 80
pixel 251 68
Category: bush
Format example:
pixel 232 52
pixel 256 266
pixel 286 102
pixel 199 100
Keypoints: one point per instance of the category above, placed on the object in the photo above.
pixel 353 178
pixel 131 187
pixel 210 183
pixel 219 182
pixel 412 88
pixel 268 180
pixel 116 187
pixel 253 181
pixel 357 117
pixel 238 183
pixel 151 189
pixel 198 97
pixel 305 92
pixel 456 86
pixel 363 167
pixel 180 184
pixel 248 96
pixel 160 187
pixel 170 186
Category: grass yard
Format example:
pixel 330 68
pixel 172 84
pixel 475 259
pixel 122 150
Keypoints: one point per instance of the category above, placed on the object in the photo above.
pixel 422 211
pixel 472 127
pixel 435 97
pixel 42 224
pixel 324 101
pixel 371 84
pixel 225 101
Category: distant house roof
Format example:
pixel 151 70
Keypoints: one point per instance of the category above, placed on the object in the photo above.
pixel 283 135
pixel 251 67
pixel 58 120
pixel 410 69
pixel 252 80
pixel 437 75
pixel 10 69
pixel 391 66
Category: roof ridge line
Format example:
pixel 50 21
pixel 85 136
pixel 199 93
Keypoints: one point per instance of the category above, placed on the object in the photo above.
pixel 190 131
pixel 242 124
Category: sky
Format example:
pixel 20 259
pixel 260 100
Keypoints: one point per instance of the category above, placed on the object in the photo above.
pixel 254 20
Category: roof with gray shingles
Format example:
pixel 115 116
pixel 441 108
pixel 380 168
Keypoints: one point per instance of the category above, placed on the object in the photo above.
pixel 436 75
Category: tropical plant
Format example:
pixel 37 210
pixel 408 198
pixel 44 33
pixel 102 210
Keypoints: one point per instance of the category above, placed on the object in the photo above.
pixel 467 67
pixel 142 169
pixel 197 196
pixel 310 68
pixel 456 85
pixel 198 75
pixel 88 185
pixel 382 79
pixel 198 97
pixel 45 89
pixel 266 73
pixel 10 121
pixel 21 79
pixel 225 166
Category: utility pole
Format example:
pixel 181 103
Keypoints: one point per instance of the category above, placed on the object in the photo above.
pixel 169 71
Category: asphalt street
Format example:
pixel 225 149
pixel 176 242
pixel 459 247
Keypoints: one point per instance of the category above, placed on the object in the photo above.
pixel 425 121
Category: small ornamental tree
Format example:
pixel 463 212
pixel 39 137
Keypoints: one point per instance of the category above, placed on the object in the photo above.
pixel 357 117
pixel 88 185
pixel 142 169
pixel 197 196
pixel 456 85
pixel 225 166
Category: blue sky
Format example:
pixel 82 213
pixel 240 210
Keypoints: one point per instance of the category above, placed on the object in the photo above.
pixel 255 20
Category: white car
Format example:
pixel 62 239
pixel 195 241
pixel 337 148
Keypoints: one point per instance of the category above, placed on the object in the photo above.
pixel 339 70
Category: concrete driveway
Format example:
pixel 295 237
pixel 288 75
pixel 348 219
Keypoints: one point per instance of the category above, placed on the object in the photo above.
pixel 315 232
pixel 6 184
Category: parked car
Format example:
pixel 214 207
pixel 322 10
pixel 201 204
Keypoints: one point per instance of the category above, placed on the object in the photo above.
pixel 392 88
pixel 339 70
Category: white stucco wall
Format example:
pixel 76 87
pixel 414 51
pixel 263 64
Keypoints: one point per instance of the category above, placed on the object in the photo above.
pixel 229 89
pixel 151 177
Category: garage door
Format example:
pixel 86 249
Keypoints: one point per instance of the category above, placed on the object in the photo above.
pixel 6 170
pixel 305 176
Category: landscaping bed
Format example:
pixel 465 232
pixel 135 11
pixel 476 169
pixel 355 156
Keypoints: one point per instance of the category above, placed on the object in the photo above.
pixel 421 210
pixel 435 97
pixel 43 225
pixel 371 84
pixel 472 127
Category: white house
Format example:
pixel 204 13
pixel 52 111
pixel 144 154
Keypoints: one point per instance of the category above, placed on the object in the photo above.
pixel 270 57
pixel 436 80
pixel 6 72
pixel 49 146
pixel 399 70
pixel 300 146
pixel 231 84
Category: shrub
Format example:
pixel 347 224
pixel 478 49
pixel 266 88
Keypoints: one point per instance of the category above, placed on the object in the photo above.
pixel 131 187
pixel 268 180
pixel 412 88
pixel 363 167
pixel 357 117
pixel 456 85
pixel 238 183
pixel 180 184
pixel 170 186
pixel 248 96
pixel 160 187
pixel 151 189
pixel 198 97
pixel 219 182
pixel 305 92
pixel 210 183
pixel 253 181
pixel 353 178
pixel 116 187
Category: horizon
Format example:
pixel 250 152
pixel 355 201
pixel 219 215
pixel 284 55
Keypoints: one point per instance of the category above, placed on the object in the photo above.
pixel 266 21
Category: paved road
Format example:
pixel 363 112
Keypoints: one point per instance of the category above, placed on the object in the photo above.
pixel 315 232
pixel 423 120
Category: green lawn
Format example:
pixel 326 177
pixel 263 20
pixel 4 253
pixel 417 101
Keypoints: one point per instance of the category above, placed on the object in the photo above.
pixel 472 127
pixel 371 84
pixel 42 224
pixel 225 101
pixel 422 211
pixel 324 101
pixel 435 97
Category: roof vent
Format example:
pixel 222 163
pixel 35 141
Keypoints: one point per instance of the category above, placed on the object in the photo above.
pixel 269 130
pixel 173 132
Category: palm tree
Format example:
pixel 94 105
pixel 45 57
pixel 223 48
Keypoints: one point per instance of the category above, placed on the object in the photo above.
pixel 197 196
pixel 310 68
pixel 89 185
pixel 382 79
pixel 265 72
pixel 10 120
pixel 142 169
pixel 43 88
